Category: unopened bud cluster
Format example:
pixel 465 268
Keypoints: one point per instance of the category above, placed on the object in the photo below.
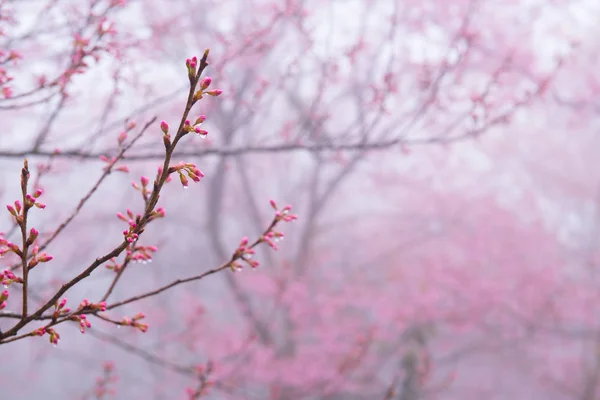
pixel 192 68
pixel 195 127
pixel 188 169
pixel 60 309
pixel 204 84
pixel 8 277
pixel 81 318
pixel 272 236
pixel 144 181
pixel 141 254
pixel 84 323
pixel 87 305
pixel 133 222
pixel 38 258
pixel 123 134
pixel 192 65
pixel 6 247
pixel 245 252
pixel 134 321
pixel 54 336
pixel 18 210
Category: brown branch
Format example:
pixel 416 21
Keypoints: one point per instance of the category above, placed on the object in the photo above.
pixel 152 201
pixel 229 264
pixel 23 225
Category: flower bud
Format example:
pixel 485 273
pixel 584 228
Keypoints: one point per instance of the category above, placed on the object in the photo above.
pixel 215 92
pixel 184 181
pixel 205 82
pixel 164 127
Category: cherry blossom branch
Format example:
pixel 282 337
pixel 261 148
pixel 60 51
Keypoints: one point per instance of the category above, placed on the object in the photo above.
pixel 137 224
pixel 195 70
pixel 243 253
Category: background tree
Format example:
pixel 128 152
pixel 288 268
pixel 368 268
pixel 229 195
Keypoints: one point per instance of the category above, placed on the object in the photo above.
pixel 439 153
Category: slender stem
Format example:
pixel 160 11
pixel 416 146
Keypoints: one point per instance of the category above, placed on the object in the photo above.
pixel 23 225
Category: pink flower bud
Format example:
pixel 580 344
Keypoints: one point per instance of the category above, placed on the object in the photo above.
pixel 200 119
pixel 184 181
pixel 201 132
pixel 164 127
pixel 144 181
pixel 33 234
pixel 45 257
pixel 215 92
pixel 38 193
pixel 205 82
pixel 122 137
